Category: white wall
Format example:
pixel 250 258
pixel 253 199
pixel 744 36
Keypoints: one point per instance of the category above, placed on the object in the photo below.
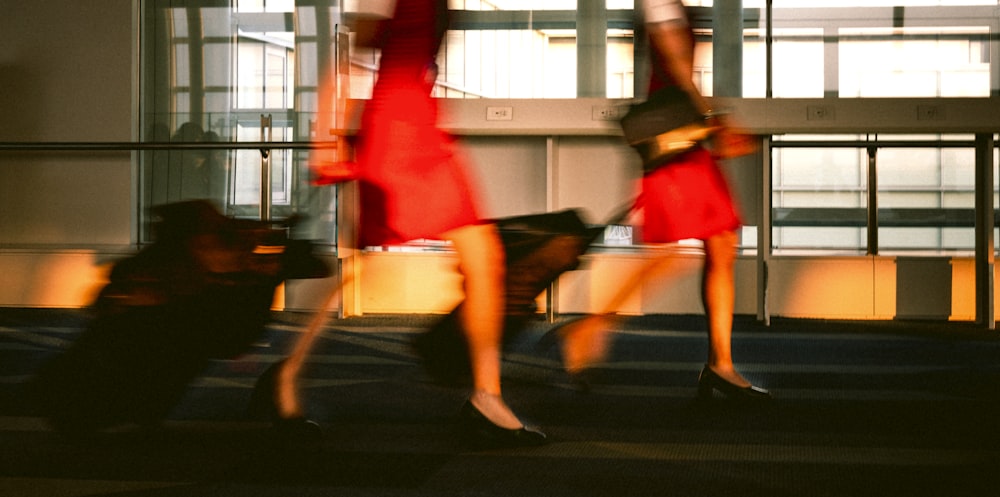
pixel 66 74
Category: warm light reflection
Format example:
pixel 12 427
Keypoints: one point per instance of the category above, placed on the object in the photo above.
pixel 66 280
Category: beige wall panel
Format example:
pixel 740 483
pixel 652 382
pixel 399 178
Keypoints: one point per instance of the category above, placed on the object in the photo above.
pixel 813 287
pixel 66 74
pixel 596 174
pixel 963 290
pixel 884 288
pixel 511 173
pixel 409 283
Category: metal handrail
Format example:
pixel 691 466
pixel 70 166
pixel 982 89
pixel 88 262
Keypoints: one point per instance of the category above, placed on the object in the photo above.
pixel 309 145
pixel 872 143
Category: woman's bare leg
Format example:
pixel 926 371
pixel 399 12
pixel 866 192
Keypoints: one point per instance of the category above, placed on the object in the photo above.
pixel 719 296
pixel 588 340
pixel 287 396
pixel 481 262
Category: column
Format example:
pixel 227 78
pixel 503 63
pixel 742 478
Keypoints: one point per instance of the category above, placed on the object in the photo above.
pixel 727 48
pixel 591 49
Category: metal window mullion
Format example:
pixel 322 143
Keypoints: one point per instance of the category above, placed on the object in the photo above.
pixel 872 202
pixel 831 61
pixel 764 234
pixel 266 135
pixel 994 48
pixel 985 221
pixel 769 51
pixel 552 203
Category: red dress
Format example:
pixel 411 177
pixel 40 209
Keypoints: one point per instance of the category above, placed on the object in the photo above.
pixel 412 182
pixel 687 198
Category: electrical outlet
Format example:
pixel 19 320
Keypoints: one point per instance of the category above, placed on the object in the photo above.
pixel 605 113
pixel 929 113
pixel 499 113
pixel 819 113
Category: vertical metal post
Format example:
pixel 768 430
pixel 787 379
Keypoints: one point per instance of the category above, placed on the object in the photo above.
pixel 551 204
pixel 727 48
pixel 591 49
pixel 769 49
pixel 831 62
pixel 985 221
pixel 764 237
pixel 872 202
pixel 266 135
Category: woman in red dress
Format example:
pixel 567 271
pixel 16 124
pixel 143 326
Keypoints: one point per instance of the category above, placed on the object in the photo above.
pixel 414 184
pixel 685 199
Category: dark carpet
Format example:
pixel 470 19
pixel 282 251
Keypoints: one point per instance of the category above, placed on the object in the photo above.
pixel 860 409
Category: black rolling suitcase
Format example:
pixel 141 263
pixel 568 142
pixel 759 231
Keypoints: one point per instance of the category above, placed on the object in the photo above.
pixel 539 248
pixel 202 291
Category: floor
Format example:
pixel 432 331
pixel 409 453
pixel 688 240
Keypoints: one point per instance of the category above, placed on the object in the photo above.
pixel 860 409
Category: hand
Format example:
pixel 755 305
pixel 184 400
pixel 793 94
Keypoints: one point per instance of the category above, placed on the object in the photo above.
pixel 729 142
pixel 333 172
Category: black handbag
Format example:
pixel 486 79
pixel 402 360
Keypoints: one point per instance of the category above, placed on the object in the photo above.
pixel 663 126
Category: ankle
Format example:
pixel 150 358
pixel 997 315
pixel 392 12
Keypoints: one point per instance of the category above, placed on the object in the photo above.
pixel 493 407
pixel 728 373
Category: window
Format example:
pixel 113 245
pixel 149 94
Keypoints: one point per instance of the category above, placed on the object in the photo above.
pixel 230 74
pixel 248 71
pixel 819 193
pixel 947 61
pixel 924 194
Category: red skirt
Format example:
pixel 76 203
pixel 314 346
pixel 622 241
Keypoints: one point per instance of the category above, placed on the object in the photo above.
pixel 413 182
pixel 686 199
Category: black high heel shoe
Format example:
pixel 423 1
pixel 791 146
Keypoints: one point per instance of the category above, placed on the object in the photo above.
pixel 709 381
pixel 483 433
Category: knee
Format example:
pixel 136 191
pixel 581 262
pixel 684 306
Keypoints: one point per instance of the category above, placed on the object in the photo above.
pixel 721 249
pixel 484 254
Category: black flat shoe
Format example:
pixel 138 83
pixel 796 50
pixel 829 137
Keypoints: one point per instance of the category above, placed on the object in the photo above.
pixel 709 382
pixel 296 434
pixel 298 428
pixel 484 434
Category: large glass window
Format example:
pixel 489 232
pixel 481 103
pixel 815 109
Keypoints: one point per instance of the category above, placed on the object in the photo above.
pixel 248 71
pixel 914 62
pixel 238 72
pixel 819 194
pixel 513 4
pixel 924 194
pixel 797 54
pixel 926 197
pixel 876 49
pixel 511 63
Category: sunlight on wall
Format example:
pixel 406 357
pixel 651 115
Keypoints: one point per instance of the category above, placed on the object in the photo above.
pixel 53 280
pixel 835 288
